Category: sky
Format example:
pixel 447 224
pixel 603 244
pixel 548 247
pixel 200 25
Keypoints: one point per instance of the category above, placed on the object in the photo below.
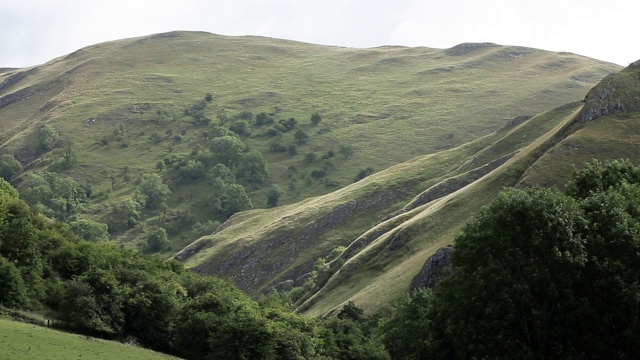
pixel 35 31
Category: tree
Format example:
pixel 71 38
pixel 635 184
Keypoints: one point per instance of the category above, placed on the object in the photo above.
pixel 263 119
pixel 600 176
pixel 9 167
pixel 253 167
pixel 293 149
pixel 273 197
pixel 90 230
pixel 301 137
pixel 47 137
pixel 153 190
pixel 346 151
pixel 240 127
pixel 67 151
pixel 364 173
pixel 526 247
pixel 227 150
pixel 157 239
pixel 310 157
pixel 235 199
pixel 6 190
pixel 13 291
pixel 406 332
pixel 315 119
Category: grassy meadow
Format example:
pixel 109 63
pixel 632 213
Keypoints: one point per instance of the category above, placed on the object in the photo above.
pixel 22 341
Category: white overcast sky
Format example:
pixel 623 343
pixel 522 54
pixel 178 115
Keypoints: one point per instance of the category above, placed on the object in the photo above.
pixel 35 31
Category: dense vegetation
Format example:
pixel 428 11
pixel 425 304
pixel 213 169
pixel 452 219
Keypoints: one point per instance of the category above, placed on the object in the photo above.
pixel 101 290
pixel 538 274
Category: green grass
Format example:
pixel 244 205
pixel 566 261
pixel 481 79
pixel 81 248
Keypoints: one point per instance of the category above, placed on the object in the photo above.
pixel 21 341
pixel 259 248
pixel 390 104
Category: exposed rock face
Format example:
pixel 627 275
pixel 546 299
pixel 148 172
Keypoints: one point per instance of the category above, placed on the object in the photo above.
pixel 615 93
pixel 433 269
pixel 21 95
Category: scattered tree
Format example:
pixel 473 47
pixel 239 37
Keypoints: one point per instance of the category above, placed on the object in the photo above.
pixel 90 230
pixel 346 151
pixel 301 137
pixel 153 190
pixel 157 239
pixel 227 150
pixel 315 119
pixel 273 197
pixel 9 167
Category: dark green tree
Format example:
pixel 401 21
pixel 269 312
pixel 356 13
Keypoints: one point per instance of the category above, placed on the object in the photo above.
pixel 346 151
pixel 315 119
pixel 155 192
pixel 9 167
pixel 273 197
pixel 235 199
pixel 13 291
pixel 90 230
pixel 301 137
pixel 157 239
pixel 252 167
pixel 227 150
pixel 47 137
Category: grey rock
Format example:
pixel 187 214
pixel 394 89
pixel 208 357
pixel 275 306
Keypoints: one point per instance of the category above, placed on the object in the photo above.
pixel 433 269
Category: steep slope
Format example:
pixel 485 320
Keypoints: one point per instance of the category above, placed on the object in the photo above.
pixel 608 132
pixel 123 105
pixel 392 221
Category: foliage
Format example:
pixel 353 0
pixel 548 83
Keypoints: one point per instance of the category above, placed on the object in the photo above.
pixel 315 119
pixel 155 192
pixel 538 274
pixel 406 332
pixel 263 119
pixel 90 230
pixel 227 150
pixel 55 195
pixel 157 239
pixel 301 137
pixel 273 197
pixel 13 292
pixel 47 137
pixel 6 190
pixel 199 229
pixel 252 167
pixel 363 173
pixel 597 176
pixel 9 167
pixel 346 151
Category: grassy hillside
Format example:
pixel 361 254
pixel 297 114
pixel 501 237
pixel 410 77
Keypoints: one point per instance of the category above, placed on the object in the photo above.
pixel 388 104
pixel 392 221
pixel 21 341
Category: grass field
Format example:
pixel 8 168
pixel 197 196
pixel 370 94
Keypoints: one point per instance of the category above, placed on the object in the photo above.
pixel 21 341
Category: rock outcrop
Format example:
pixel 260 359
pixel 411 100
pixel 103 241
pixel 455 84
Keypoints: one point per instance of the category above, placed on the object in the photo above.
pixel 616 93
pixel 433 269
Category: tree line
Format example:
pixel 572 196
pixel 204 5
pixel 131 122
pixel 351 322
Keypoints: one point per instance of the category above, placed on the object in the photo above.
pixel 101 290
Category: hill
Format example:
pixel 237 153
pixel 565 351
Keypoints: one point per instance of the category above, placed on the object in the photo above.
pixel 384 227
pixel 21 341
pixel 127 108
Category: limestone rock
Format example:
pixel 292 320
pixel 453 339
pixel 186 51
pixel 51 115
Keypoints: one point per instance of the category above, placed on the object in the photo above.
pixel 433 269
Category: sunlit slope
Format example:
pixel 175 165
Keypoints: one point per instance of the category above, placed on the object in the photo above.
pixel 259 249
pixel 390 103
pixel 606 127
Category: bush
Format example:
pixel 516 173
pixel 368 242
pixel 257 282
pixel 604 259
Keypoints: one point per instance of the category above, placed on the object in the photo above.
pixel 157 239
